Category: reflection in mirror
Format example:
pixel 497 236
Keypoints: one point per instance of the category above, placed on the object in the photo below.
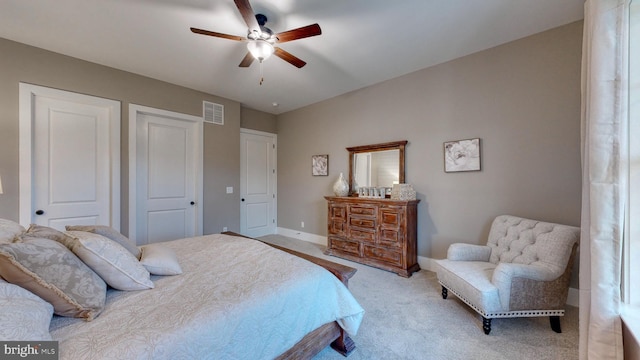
pixel 377 165
pixel 378 169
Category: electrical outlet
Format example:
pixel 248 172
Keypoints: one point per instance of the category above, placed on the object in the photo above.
pixel 224 229
pixel 302 224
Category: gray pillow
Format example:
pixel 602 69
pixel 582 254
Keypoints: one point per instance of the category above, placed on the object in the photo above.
pixel 36 231
pixel 51 271
pixel 110 233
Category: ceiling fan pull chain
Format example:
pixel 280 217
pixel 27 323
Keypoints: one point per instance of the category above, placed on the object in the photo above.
pixel 261 76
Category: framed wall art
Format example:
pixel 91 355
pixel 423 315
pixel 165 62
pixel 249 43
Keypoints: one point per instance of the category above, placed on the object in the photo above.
pixel 462 155
pixel 320 165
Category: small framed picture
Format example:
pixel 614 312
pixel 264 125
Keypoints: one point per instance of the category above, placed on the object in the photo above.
pixel 320 165
pixel 462 155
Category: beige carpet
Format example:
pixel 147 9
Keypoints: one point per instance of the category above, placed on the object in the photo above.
pixel 408 319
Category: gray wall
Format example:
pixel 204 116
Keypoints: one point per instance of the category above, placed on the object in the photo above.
pixel 22 63
pixel 522 99
pixel 258 120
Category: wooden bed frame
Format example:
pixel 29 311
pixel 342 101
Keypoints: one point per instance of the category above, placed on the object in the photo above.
pixel 329 334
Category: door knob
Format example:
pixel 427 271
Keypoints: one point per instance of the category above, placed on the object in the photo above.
pixel 39 212
pixel 242 199
pixel 193 203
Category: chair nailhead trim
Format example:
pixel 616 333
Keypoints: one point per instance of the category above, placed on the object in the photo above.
pixel 506 314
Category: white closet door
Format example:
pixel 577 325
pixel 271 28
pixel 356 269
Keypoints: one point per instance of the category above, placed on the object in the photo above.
pixel 70 153
pixel 168 167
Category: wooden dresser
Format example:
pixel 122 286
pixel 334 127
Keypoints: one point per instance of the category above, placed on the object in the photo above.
pixel 376 232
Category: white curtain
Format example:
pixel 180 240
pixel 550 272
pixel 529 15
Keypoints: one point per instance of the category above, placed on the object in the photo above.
pixel 604 175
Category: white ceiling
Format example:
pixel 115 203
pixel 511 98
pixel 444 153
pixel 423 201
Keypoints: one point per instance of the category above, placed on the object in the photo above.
pixel 363 42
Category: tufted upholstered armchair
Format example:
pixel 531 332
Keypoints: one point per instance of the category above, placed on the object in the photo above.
pixel 523 271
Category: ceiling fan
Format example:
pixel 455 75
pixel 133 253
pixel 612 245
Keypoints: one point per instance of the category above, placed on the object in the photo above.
pixel 261 40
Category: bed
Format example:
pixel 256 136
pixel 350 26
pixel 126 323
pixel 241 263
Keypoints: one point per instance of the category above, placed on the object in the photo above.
pixel 236 298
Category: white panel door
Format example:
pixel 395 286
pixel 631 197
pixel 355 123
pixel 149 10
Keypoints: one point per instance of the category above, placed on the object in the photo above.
pixel 257 183
pixel 168 165
pixel 72 156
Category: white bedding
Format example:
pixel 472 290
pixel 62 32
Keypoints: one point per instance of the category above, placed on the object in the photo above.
pixel 237 298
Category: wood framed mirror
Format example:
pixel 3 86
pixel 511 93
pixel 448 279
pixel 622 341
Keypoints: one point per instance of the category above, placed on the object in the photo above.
pixel 376 165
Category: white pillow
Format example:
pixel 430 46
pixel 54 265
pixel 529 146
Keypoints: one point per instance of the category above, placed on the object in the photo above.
pixel 110 233
pixel 23 315
pixel 160 260
pixel 115 264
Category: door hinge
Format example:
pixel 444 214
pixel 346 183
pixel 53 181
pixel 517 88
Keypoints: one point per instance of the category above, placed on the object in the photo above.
pixel 273 196
pixel 274 145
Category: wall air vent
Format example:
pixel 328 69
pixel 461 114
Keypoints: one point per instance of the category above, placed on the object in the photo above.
pixel 213 113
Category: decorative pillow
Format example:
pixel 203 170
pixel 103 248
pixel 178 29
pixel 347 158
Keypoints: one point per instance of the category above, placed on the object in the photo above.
pixel 49 270
pixel 23 315
pixel 36 231
pixel 110 233
pixel 117 266
pixel 160 260
pixel 9 230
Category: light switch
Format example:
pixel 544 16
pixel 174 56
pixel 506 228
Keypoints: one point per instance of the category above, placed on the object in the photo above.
pixel 229 189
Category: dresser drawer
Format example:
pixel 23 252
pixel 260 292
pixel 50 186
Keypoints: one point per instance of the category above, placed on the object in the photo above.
pixel 362 222
pixel 390 237
pixel 391 216
pixel 362 235
pixel 336 227
pixel 344 246
pixel 363 209
pixel 338 211
pixel 381 254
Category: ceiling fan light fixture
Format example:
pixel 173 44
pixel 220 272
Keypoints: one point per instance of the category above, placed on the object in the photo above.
pixel 260 49
pixel 261 40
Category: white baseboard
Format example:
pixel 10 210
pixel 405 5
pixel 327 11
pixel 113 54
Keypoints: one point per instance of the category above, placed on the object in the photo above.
pixel 425 263
pixel 574 297
pixel 313 238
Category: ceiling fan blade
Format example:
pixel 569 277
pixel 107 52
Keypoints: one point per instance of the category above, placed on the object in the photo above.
pixel 248 59
pixel 217 34
pixel 299 33
pixel 247 14
pixel 286 56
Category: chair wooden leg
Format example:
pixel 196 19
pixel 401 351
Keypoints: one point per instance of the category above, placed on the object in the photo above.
pixel 445 292
pixel 555 323
pixel 486 325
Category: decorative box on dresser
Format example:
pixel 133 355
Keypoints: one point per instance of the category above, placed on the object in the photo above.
pixel 374 231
